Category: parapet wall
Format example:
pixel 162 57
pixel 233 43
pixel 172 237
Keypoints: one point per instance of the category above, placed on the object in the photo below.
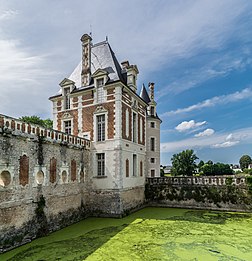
pixel 206 192
pixel 43 181
pixel 16 127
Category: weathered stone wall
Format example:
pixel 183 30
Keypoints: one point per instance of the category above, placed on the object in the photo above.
pixel 216 192
pixel 43 181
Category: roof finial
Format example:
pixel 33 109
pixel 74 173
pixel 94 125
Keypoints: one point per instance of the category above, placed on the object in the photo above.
pixel 90 31
pixel 106 38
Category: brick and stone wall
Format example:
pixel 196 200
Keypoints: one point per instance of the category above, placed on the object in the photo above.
pixel 209 192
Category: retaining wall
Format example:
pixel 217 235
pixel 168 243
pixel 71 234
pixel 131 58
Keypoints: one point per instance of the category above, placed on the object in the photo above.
pixel 207 192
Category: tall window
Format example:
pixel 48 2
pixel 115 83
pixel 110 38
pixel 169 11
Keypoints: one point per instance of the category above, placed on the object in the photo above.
pixel 100 164
pixel 127 122
pixel 134 165
pixel 127 168
pixel 141 168
pixel 152 110
pixel 152 144
pixel 134 129
pixel 152 124
pixel 100 91
pixel 152 160
pixel 67 98
pixel 141 129
pixel 67 127
pixel 152 173
pixel 101 127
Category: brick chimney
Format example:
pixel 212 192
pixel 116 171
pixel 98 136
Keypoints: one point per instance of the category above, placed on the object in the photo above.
pixel 151 88
pixel 86 59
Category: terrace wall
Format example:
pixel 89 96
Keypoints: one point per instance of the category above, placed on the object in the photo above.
pixel 43 181
pixel 208 192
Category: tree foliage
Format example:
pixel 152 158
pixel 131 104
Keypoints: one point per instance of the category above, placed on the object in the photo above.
pixel 48 123
pixel 216 169
pixel 245 160
pixel 183 163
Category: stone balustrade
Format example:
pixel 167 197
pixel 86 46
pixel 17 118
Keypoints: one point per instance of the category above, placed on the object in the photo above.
pixel 18 127
pixel 198 181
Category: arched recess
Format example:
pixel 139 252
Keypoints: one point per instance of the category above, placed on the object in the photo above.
pixel 73 170
pixel 23 170
pixel 5 178
pixel 53 169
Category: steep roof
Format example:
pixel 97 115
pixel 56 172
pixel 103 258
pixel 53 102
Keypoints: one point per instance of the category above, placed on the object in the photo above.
pixel 144 94
pixel 102 57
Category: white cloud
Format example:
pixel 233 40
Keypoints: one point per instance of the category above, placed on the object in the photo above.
pixel 230 141
pixel 7 14
pixel 207 132
pixel 225 144
pixel 216 141
pixel 217 100
pixel 188 125
pixel 229 137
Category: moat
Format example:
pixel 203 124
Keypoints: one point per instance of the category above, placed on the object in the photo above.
pixel 149 234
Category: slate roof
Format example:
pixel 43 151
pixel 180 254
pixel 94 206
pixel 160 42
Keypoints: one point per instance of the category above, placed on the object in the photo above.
pixel 144 94
pixel 102 57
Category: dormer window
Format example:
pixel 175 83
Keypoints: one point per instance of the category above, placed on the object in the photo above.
pixel 100 90
pixel 67 98
pixel 100 82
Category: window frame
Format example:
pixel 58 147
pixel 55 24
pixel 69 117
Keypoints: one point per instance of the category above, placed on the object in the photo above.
pixel 101 127
pixel 152 144
pixel 67 91
pixel 66 128
pixel 100 159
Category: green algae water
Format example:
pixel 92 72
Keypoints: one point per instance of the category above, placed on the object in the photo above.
pixel 149 234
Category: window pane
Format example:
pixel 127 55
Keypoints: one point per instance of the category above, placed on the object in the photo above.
pixel 101 127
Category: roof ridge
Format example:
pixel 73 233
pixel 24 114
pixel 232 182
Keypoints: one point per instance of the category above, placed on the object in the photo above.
pixel 100 43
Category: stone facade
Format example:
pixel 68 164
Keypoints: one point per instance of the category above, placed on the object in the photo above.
pixel 99 101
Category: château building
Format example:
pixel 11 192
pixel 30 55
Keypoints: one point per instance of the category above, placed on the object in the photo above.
pixel 100 102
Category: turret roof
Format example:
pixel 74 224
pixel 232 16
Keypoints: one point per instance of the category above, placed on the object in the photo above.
pixel 144 94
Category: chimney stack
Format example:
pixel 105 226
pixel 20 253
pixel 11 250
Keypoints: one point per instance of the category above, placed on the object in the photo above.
pixel 151 88
pixel 86 59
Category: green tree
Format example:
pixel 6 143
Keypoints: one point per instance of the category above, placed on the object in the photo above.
pixel 183 163
pixel 216 169
pixel 244 161
pixel 201 164
pixel 37 120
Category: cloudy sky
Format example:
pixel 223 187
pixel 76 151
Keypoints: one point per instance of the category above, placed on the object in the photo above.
pixel 198 53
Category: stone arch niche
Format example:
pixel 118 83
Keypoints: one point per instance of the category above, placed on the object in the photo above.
pixel 64 176
pixel 23 170
pixel 40 177
pixel 5 178
pixel 73 170
pixel 53 169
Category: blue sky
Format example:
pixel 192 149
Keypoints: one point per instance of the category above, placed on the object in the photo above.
pixel 198 53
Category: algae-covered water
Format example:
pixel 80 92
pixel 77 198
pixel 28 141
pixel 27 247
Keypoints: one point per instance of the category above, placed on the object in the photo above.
pixel 149 234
